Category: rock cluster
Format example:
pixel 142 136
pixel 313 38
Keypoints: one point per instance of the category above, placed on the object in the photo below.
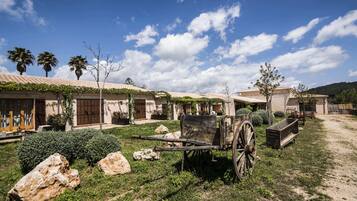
pixel 146 154
pixel 46 181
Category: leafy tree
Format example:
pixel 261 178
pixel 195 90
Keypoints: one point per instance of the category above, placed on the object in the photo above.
pixel 269 80
pixel 129 81
pixel 47 60
pixel 22 57
pixel 303 96
pixel 78 64
pixel 347 96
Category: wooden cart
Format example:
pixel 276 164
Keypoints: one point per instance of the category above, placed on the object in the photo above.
pixel 202 133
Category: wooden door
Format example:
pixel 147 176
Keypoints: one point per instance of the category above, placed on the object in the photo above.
pixel 139 109
pixel 40 112
pixel 88 111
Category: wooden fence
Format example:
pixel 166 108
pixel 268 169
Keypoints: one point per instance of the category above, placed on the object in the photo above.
pixel 22 122
pixel 340 108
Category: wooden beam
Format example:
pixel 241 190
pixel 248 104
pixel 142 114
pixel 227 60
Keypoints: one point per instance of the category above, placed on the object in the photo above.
pixel 187 148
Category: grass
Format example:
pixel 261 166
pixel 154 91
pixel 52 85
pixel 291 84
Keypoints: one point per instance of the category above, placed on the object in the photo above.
pixel 301 165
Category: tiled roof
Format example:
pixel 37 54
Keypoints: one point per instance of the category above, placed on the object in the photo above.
pixel 184 94
pixel 247 100
pixel 255 89
pixel 23 79
pixel 235 97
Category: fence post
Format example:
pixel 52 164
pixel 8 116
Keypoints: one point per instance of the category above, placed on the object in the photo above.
pixel 11 122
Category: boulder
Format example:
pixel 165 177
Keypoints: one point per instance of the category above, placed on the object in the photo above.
pixel 114 163
pixel 161 129
pixel 146 154
pixel 46 181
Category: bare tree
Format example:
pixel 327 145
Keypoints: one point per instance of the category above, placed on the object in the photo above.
pixel 102 67
pixel 269 80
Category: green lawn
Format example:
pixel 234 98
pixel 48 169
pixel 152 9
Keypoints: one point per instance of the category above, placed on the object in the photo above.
pixel 301 165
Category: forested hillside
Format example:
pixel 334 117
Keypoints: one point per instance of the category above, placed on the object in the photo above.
pixel 342 92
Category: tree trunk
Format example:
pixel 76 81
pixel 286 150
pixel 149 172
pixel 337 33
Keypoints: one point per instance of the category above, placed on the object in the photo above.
pixel 46 74
pixel 268 106
pixel 100 109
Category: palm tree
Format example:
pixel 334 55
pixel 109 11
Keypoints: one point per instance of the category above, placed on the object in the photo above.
pixel 47 60
pixel 22 57
pixel 78 64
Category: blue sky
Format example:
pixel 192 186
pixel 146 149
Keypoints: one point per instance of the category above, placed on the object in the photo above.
pixel 184 45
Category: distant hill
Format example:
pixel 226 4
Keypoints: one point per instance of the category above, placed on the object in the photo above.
pixel 333 89
pixel 342 92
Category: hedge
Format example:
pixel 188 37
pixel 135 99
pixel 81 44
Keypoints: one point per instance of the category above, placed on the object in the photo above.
pixel 257 120
pixel 264 115
pixel 38 147
pixel 243 111
pixel 279 114
pixel 100 146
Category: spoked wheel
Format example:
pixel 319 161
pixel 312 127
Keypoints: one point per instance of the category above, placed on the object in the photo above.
pixel 243 148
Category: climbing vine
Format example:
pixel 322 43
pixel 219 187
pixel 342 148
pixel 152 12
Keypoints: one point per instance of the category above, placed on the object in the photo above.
pixel 67 104
pixel 131 108
pixel 13 86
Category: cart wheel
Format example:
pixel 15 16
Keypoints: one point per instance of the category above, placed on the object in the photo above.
pixel 243 148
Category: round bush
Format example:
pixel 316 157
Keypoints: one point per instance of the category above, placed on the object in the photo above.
pixel 100 146
pixel 257 120
pixel 264 115
pixel 38 147
pixel 243 111
pixel 279 114
pixel 57 122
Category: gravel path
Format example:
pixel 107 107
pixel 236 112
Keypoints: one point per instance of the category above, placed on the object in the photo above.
pixel 341 132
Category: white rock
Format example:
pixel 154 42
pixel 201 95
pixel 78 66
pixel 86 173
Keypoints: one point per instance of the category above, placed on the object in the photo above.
pixel 174 135
pixel 46 181
pixel 146 154
pixel 114 163
pixel 161 129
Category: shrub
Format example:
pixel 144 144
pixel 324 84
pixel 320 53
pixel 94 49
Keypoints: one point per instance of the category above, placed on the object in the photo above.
pixel 243 111
pixel 57 122
pixel 100 146
pixel 279 114
pixel 264 115
pixel 257 120
pixel 38 147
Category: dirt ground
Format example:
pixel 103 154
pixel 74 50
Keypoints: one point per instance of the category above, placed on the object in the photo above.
pixel 341 131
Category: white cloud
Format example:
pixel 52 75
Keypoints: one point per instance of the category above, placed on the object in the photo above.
pixel 176 75
pixel 2 42
pixel 180 46
pixel 352 73
pixel 145 37
pixel 340 27
pixel 3 70
pixel 23 11
pixel 3 59
pixel 217 20
pixel 249 45
pixel 173 25
pixel 298 33
pixel 312 59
